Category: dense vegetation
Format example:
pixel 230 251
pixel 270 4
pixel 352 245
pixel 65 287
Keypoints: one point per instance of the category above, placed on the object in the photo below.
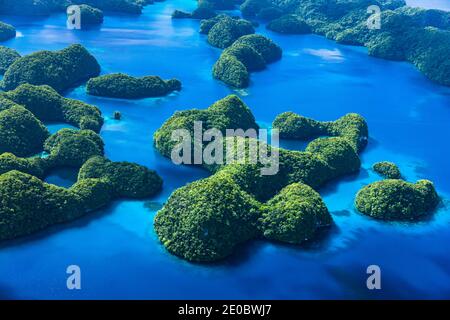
pixel 120 85
pixel 33 166
pixel 219 4
pixel 119 6
pixel 59 69
pixel 126 179
pixel 249 53
pixel 46 7
pixel 90 15
pixel 20 132
pixel 387 170
pixel 205 220
pixel 199 13
pixel 7 57
pixel 396 199
pixel 48 106
pixel 352 127
pixel 227 113
pixel 27 204
pixel 223 30
pixel 7 31
pixel 72 148
pixel 289 24
pixel 294 215
pixel 419 36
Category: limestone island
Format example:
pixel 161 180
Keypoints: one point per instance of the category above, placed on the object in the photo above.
pixel 223 30
pixel 7 57
pixel 119 85
pixel 47 7
pixel 420 36
pixel 28 153
pixel 90 16
pixel 249 53
pixel 219 4
pixel 48 106
pixel 200 13
pixel 59 69
pixel 205 220
pixel 20 132
pixel 7 31
pixel 397 200
pixel 387 170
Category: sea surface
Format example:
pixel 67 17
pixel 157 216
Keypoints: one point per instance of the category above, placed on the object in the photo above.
pixel 116 248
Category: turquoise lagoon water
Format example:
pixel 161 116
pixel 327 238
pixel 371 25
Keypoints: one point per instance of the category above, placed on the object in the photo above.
pixel 117 249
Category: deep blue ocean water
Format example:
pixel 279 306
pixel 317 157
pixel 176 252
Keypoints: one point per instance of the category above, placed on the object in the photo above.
pixel 117 249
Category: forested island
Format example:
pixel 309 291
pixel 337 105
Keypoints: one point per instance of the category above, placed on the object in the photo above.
pixel 46 7
pixel 7 57
pixel 244 51
pixel 59 69
pixel 120 85
pixel 395 199
pixel 282 207
pixel 205 220
pixel 29 153
pixel 420 36
pixel 7 31
pixel 248 53
pixel 388 170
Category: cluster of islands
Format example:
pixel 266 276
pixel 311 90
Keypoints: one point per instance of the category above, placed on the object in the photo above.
pixel 205 220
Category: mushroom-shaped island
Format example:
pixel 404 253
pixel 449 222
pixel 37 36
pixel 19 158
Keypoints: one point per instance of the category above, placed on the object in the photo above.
pixel 388 170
